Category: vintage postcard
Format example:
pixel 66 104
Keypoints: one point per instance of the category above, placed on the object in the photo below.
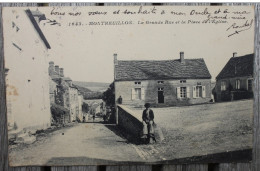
pixel 129 84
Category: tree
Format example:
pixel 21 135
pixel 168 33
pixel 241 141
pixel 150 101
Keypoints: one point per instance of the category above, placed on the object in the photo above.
pixel 109 95
pixel 85 107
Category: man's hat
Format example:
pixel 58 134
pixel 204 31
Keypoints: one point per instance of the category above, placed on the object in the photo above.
pixel 147 105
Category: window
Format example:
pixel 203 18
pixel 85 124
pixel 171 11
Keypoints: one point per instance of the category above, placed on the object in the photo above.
pixel 183 92
pixel 182 81
pixel 160 82
pixel 160 89
pixel 198 91
pixel 223 86
pixel 138 93
pixel 237 84
pixel 250 85
pixel 138 83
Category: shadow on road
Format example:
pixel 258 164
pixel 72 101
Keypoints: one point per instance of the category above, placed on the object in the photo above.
pixel 123 134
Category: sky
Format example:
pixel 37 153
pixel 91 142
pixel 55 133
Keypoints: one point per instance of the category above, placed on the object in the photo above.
pixel 86 52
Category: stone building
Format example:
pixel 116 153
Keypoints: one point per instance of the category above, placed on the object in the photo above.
pixel 235 81
pixel 163 82
pixel 27 92
pixel 64 93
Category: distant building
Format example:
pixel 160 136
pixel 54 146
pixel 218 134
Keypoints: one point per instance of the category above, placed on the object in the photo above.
pixel 235 81
pixel 26 49
pixel 163 82
pixel 64 93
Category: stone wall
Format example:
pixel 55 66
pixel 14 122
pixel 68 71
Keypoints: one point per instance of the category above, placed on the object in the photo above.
pixel 150 92
pixel 230 86
pixel 129 121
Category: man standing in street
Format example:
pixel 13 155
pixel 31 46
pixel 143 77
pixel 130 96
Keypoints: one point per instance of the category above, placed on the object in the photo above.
pixel 148 120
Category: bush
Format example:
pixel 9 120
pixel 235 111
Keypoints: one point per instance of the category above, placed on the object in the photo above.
pixel 60 115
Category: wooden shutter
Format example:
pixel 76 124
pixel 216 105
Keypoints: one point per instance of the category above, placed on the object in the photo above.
pixel 188 92
pixel 203 91
pixel 194 91
pixel 133 93
pixel 142 93
pixel 178 91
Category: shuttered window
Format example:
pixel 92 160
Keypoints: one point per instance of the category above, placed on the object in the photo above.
pixel 237 84
pixel 183 92
pixel 223 85
pixel 199 92
pixel 138 94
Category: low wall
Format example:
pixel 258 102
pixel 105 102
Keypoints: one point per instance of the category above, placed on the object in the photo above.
pixel 129 121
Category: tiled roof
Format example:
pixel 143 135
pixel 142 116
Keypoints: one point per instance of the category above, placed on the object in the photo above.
pixel 238 67
pixel 163 69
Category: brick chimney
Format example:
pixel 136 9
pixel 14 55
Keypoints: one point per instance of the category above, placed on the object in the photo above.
pixel 61 72
pixel 182 57
pixel 115 59
pixel 234 54
pixel 57 70
pixel 51 68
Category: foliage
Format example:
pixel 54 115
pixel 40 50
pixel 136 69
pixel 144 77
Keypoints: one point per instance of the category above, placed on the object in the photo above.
pixel 109 95
pixel 92 95
pixel 58 111
pixel 85 107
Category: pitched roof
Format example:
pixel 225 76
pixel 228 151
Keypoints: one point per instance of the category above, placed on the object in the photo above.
pixel 238 67
pixel 163 69
pixel 37 28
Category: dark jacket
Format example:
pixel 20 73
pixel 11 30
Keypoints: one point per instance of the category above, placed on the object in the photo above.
pixel 149 117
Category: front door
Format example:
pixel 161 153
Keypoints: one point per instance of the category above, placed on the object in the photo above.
pixel 160 95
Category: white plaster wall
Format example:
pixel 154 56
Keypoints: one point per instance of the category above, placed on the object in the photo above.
pixel 27 79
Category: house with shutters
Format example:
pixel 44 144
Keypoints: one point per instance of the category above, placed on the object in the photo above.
pixel 235 81
pixel 162 82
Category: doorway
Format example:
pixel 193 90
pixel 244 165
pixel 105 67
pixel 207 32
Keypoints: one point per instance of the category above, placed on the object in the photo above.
pixel 160 95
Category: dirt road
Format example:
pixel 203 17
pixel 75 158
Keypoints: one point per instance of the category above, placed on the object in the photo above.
pixel 199 130
pixel 83 143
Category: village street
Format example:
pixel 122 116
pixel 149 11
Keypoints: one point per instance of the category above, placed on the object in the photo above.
pixel 189 131
pixel 86 143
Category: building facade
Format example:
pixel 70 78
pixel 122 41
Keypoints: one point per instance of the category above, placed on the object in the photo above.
pixel 235 81
pixel 26 53
pixel 64 93
pixel 162 83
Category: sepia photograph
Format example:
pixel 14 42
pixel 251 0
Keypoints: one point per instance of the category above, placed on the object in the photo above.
pixel 114 85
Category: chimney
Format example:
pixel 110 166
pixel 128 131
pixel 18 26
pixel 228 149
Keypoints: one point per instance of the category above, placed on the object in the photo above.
pixel 234 54
pixel 51 68
pixel 38 16
pixel 182 57
pixel 61 72
pixel 115 59
pixel 57 70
